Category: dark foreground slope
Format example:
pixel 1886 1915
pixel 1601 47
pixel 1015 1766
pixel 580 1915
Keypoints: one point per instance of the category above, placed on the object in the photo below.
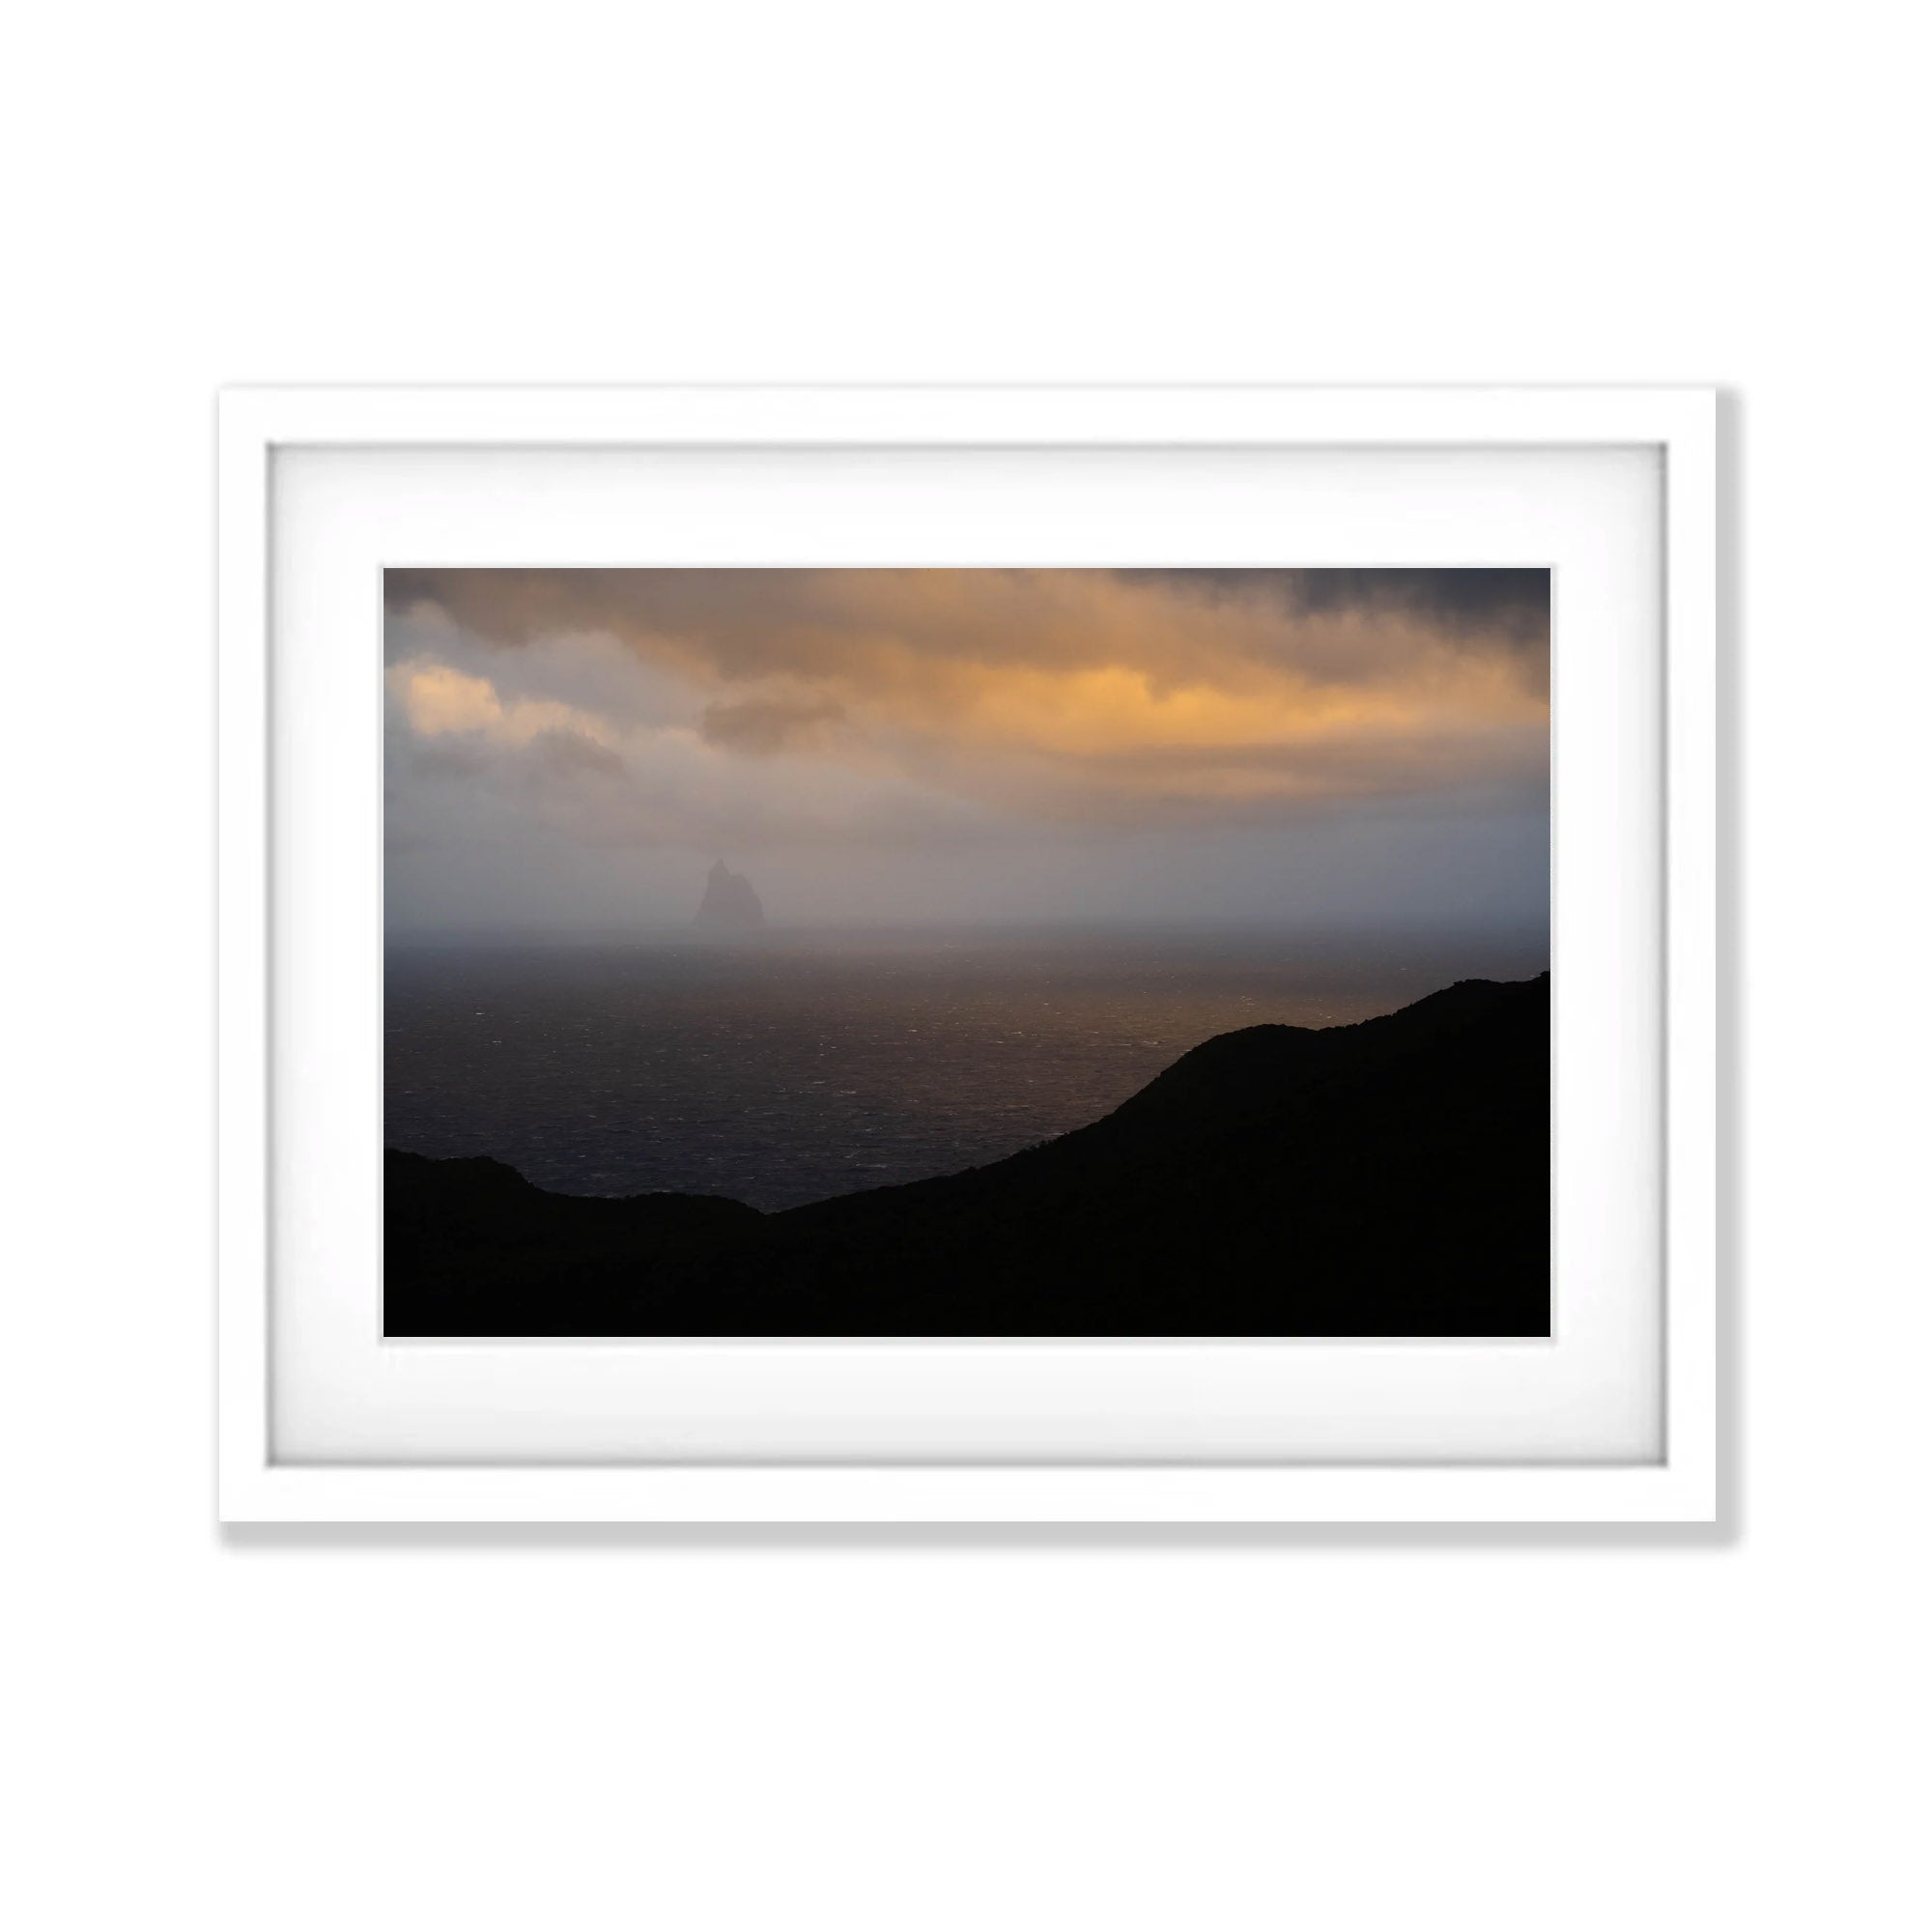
pixel 1386 1178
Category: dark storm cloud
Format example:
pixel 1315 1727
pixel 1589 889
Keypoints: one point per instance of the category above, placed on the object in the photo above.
pixel 1333 624
pixel 738 612
pixel 767 723
pixel 1512 606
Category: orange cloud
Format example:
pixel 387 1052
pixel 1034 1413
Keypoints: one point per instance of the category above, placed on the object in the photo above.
pixel 439 700
pixel 1082 693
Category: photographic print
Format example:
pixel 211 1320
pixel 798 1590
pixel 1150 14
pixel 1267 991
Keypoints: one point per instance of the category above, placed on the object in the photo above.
pixel 967 953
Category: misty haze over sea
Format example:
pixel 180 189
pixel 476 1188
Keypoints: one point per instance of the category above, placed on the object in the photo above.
pixel 790 1067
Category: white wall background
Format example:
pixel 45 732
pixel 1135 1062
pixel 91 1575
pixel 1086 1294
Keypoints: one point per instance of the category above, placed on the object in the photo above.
pixel 587 1731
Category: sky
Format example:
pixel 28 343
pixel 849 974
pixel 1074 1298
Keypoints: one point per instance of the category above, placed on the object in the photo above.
pixel 568 751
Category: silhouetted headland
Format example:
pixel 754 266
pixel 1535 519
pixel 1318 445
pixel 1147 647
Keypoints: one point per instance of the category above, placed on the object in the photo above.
pixel 1386 1178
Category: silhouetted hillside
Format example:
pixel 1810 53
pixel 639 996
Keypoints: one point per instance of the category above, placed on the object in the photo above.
pixel 1386 1178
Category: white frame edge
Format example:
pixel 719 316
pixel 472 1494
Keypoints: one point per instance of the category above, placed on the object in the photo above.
pixel 1681 422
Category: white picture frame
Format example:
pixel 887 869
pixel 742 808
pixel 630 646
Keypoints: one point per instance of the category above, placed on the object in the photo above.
pixel 259 1477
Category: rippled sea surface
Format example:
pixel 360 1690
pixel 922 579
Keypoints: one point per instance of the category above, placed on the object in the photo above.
pixel 785 1069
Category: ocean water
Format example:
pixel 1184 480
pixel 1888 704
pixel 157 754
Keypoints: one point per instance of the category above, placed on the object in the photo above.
pixel 786 1068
